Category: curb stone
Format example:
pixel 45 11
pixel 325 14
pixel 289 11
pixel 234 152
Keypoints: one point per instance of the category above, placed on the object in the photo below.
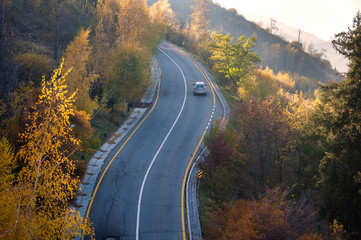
pixel 96 163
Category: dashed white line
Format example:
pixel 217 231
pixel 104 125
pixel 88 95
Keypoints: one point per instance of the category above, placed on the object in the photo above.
pixel 161 146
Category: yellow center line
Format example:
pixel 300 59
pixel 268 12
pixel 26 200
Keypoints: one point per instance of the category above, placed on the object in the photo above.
pixel 120 149
pixel 184 183
pixel 199 143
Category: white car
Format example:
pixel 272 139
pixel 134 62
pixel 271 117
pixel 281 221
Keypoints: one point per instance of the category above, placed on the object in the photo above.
pixel 199 88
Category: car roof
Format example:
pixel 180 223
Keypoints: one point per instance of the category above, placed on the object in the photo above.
pixel 199 82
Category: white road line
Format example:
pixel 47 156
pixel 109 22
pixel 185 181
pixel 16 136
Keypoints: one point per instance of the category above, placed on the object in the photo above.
pixel 161 146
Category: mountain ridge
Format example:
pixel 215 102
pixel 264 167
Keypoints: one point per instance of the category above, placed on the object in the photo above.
pixel 275 51
pixel 290 33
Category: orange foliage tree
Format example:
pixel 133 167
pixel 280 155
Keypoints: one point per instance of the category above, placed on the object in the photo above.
pixel 271 217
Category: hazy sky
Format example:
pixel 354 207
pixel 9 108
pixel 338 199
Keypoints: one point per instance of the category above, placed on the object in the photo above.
pixel 324 18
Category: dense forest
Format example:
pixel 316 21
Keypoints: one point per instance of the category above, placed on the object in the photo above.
pixel 287 164
pixel 68 69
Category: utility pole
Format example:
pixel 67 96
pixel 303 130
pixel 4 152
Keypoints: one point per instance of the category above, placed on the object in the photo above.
pixel 299 35
pixel 273 26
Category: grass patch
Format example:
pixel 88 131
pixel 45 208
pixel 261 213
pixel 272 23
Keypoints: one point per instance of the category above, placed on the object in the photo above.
pixel 104 125
pixel 205 204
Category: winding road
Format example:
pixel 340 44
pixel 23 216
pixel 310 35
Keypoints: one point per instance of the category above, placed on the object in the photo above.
pixel 141 194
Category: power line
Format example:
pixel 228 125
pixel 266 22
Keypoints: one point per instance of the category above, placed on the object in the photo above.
pixel 106 99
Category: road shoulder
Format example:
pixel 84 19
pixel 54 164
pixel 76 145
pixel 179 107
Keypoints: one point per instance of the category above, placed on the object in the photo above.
pixel 96 163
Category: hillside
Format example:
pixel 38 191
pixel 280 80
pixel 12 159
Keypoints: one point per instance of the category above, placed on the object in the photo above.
pixel 277 53
pixel 308 40
pixel 35 36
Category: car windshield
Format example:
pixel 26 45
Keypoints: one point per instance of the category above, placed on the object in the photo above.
pixel 199 85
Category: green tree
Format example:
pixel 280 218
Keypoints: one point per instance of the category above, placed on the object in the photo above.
pixel 338 117
pixel 234 61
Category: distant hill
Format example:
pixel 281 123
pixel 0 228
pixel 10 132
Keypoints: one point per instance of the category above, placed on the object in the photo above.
pixel 291 34
pixel 276 52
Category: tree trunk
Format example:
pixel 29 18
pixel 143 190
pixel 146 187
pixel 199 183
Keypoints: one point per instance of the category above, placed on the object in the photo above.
pixel 56 29
pixel 280 164
pixel 2 27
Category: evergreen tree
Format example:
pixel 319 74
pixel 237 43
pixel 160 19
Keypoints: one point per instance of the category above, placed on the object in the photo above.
pixel 338 117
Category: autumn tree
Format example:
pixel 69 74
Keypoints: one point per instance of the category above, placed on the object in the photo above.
pixel 270 217
pixel 220 166
pixel 269 142
pixel 163 19
pixel 80 79
pixel 199 19
pixel 16 111
pixel 126 35
pixel 162 13
pixel 266 83
pixel 9 196
pixel 234 61
pixel 104 54
pixel 130 75
pixel 132 22
pixel 338 120
pixel 46 182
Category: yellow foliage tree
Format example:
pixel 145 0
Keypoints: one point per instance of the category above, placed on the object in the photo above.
pixel 266 83
pixel 133 20
pixel 46 183
pixel 77 57
pixel 125 26
pixel 298 110
pixel 104 52
pixel 285 81
pixel 162 19
pixel 199 26
pixel 162 13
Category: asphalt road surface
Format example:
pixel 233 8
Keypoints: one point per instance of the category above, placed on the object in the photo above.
pixel 140 195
